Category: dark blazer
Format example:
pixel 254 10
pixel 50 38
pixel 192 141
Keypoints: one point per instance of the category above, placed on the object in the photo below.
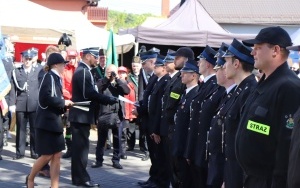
pixel 50 107
pixel 155 104
pixel 25 100
pixel 203 107
pixel 98 73
pixel 172 94
pixel 142 85
pixel 182 119
pixel 83 89
pixel 106 88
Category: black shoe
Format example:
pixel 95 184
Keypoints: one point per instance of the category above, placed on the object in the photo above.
pixel 87 184
pixel 34 156
pixel 129 149
pixel 117 165
pixel 68 154
pixel 0 157
pixel 140 183
pixel 123 156
pixel 96 164
pixel 146 157
pixel 17 157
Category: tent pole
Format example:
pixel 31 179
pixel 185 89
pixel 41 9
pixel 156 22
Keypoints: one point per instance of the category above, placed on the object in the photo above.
pixel 136 48
pixel 122 56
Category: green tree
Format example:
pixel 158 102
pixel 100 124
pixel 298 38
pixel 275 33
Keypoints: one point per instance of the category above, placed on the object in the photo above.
pixel 121 20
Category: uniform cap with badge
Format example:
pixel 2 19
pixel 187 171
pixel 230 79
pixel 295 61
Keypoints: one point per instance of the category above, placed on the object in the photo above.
pixel 220 60
pixel 28 54
pixel 170 58
pixel 190 66
pixel 152 53
pixel 55 58
pixel 184 52
pixel 240 51
pixel 272 35
pixel 208 54
pixel 94 51
pixel 160 61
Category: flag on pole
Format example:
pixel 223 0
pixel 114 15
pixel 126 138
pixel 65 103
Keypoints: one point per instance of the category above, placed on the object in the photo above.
pixel 111 53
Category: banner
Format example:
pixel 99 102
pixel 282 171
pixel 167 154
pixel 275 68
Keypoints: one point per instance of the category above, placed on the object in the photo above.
pixel 111 53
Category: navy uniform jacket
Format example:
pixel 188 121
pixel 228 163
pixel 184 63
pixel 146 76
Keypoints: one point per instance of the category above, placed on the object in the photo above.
pixel 155 103
pixel 264 134
pixel 83 89
pixel 182 119
pixel 216 131
pixel 203 108
pixel 25 99
pixel 50 108
pixel 232 117
pixel 98 73
pixel 172 95
pixel 142 85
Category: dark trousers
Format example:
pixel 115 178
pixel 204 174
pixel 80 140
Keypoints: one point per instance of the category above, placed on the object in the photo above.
pixel 130 135
pixel 233 174
pixel 216 170
pixel 1 133
pixel 166 144
pixel 198 176
pixel 122 136
pixel 143 139
pixel 80 145
pixel 154 168
pixel 22 119
pixel 163 175
pixel 68 135
pixel 254 182
pixel 182 172
pixel 102 136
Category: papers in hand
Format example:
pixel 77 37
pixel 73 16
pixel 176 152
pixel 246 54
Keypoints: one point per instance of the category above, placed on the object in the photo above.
pixel 81 105
pixel 127 100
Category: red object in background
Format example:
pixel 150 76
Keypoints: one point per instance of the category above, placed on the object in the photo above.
pixel 20 47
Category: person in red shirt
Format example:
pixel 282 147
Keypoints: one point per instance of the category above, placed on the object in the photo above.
pixel 126 109
pixel 72 57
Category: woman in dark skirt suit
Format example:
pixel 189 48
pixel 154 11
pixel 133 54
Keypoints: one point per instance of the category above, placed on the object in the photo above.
pixel 48 126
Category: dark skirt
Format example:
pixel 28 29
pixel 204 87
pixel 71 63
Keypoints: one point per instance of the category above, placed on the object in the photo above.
pixel 48 143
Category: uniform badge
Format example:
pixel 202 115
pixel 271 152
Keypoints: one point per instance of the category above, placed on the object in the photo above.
pixel 290 122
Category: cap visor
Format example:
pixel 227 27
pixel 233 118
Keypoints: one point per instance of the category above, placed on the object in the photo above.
pixel 294 48
pixel 217 67
pixel 251 42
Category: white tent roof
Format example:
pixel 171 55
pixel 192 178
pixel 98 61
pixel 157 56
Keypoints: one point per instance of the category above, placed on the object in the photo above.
pixel 190 25
pixel 296 37
pixel 37 16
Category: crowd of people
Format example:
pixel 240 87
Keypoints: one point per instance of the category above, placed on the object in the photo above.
pixel 228 119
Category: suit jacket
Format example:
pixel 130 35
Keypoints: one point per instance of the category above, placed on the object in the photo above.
pixel 203 108
pixel 172 94
pixel 155 104
pixel 84 90
pixel 50 108
pixel 25 99
pixel 182 119
pixel 142 85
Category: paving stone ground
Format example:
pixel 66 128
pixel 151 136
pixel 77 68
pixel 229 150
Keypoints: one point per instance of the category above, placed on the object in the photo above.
pixel 13 173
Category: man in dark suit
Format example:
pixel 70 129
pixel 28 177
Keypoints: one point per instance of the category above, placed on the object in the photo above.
pixel 84 90
pixel 181 170
pixel 173 92
pixel 24 96
pixel 148 59
pixel 239 66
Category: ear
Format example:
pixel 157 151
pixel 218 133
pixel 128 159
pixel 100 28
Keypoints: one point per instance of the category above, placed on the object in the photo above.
pixel 276 50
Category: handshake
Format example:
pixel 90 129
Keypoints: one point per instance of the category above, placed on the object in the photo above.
pixel 113 100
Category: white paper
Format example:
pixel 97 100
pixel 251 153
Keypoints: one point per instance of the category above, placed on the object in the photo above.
pixel 127 100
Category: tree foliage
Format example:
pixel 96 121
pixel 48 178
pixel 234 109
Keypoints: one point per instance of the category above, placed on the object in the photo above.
pixel 122 20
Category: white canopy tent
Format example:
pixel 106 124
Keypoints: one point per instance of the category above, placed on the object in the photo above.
pixel 296 37
pixel 37 16
pixel 190 25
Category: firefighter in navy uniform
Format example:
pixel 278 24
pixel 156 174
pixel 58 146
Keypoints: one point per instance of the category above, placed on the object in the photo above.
pixel 98 72
pixel 153 127
pixel 239 67
pixel 264 134
pixel 148 58
pixel 181 169
pixel 203 107
pixel 24 96
pixel 83 89
pixel 216 158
